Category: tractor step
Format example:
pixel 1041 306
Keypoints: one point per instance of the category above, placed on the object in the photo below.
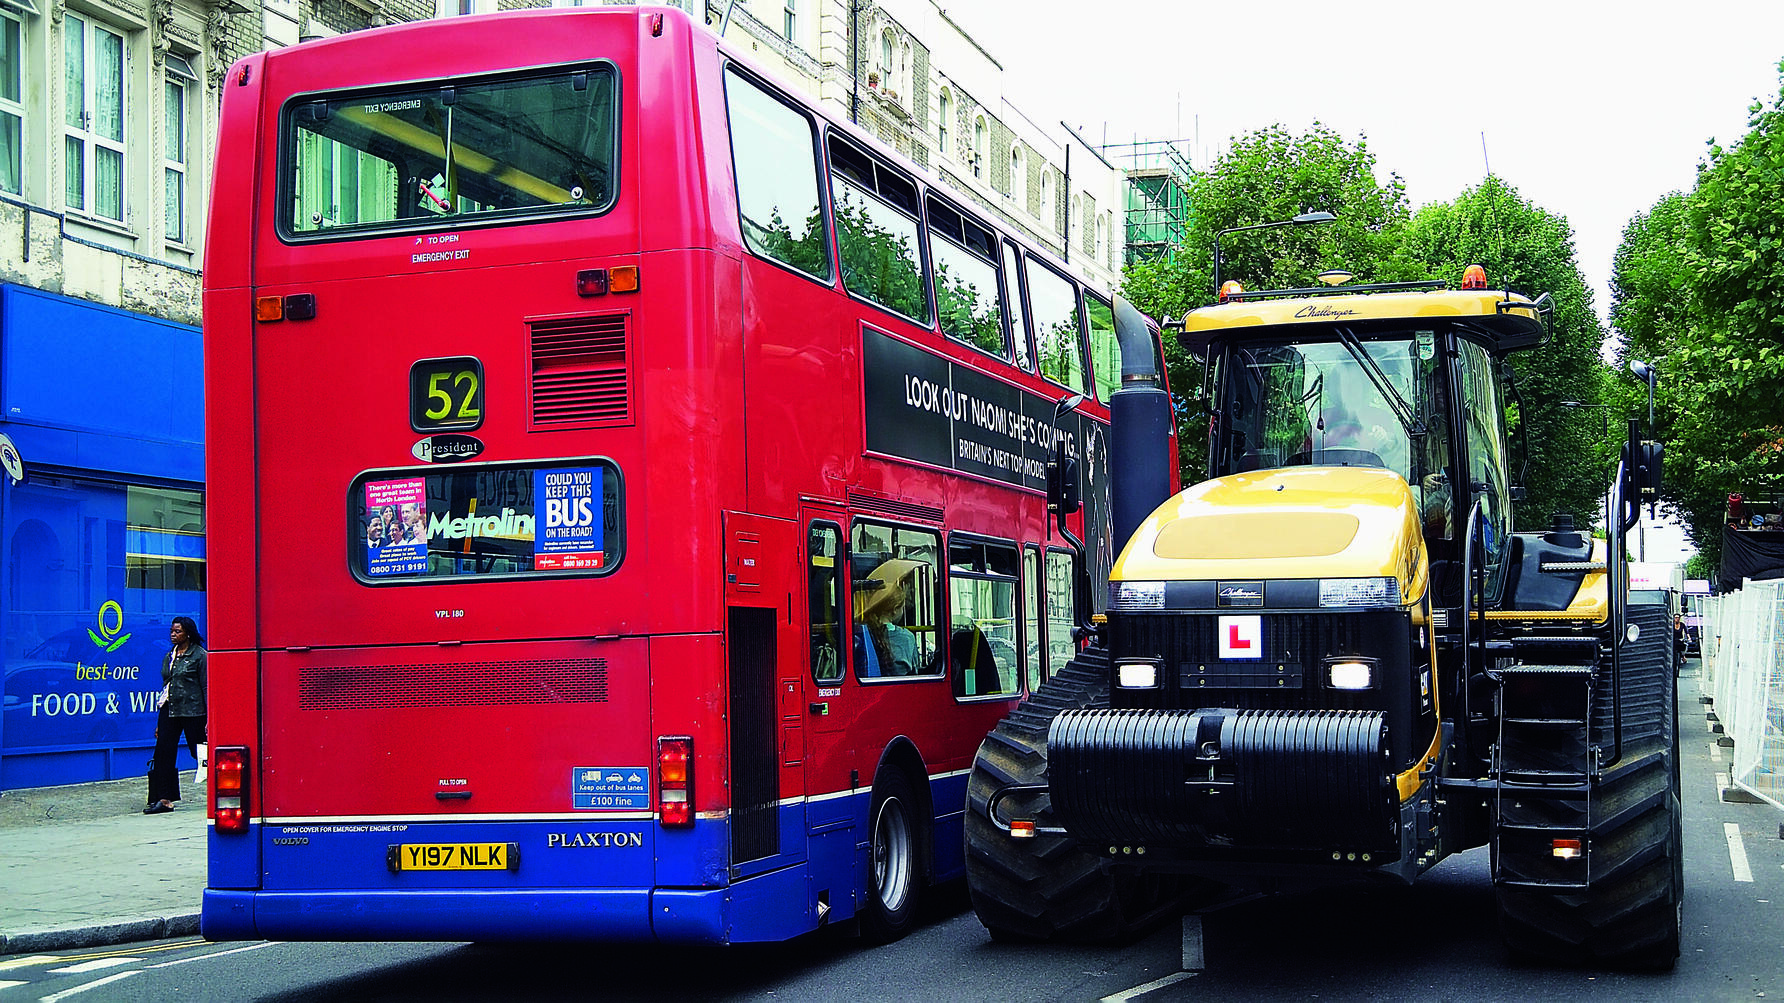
pixel 1547 722
pixel 1544 886
pixel 1533 669
pixel 1570 567
pixel 1546 781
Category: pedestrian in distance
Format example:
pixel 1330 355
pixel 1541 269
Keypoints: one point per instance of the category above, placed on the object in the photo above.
pixel 183 669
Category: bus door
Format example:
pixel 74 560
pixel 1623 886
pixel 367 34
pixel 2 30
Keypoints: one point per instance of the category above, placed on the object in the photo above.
pixel 767 689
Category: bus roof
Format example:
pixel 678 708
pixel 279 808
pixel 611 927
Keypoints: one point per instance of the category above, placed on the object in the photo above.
pixel 1505 320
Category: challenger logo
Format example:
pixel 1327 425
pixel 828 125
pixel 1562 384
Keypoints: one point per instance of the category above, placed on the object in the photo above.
pixel 1240 594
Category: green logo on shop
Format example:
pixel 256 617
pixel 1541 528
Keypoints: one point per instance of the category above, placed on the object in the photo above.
pixel 107 637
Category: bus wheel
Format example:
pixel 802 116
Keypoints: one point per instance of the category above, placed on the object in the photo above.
pixel 894 871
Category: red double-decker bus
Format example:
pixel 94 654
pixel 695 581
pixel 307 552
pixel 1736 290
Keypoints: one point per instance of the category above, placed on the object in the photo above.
pixel 628 490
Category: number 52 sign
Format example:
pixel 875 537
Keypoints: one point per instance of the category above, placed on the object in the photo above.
pixel 446 394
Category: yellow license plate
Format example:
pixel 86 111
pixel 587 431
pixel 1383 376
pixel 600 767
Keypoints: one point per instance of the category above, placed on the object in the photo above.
pixel 453 857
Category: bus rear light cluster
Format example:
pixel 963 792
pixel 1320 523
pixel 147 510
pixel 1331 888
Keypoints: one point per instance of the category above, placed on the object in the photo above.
pixel 229 788
pixel 675 782
pixel 601 281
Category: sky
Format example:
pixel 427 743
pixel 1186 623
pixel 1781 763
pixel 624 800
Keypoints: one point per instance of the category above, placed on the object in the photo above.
pixel 1592 111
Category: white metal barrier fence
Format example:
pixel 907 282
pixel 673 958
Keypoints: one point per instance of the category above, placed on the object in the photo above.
pixel 1743 662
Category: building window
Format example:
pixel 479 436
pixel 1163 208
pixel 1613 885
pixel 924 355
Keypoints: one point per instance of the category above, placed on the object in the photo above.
pixel 12 112
pixel 886 58
pixel 943 110
pixel 978 147
pixel 790 20
pixel 1018 177
pixel 1046 215
pixel 94 66
pixel 175 146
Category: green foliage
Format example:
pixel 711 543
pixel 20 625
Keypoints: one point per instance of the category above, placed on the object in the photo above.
pixel 1272 175
pixel 878 250
pixel 1562 454
pixel 1698 291
pixel 1698 565
pixel 1266 176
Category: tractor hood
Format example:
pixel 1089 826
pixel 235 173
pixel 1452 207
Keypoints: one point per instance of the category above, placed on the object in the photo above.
pixel 1296 523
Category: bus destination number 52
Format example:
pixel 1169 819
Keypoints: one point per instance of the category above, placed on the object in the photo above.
pixel 445 394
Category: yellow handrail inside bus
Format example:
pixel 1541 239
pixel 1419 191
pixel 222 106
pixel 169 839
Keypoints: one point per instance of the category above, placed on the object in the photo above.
pixel 417 138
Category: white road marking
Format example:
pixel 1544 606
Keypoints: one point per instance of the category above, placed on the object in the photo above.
pixel 1721 784
pixel 96 965
pixel 1737 853
pixel 212 954
pixel 1715 753
pixel 9 985
pixel 1169 980
pixel 77 990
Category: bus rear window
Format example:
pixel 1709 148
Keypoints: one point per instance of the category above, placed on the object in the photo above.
pixel 450 154
pixel 490 521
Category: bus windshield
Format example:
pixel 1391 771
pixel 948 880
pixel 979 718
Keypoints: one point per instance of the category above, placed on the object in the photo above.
pixel 1354 402
pixel 450 153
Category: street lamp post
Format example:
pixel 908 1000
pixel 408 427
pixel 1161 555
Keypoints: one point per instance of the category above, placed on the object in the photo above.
pixel 1649 373
pixel 1301 220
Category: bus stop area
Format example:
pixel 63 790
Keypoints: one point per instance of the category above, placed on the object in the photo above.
pixel 82 866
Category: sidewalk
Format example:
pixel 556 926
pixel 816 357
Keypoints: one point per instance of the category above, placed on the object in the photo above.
pixel 82 866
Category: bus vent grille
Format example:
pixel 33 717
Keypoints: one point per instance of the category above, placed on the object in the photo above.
pixel 582 371
pixel 894 507
pixel 459 684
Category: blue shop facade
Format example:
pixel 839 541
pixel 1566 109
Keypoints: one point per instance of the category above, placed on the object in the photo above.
pixel 102 539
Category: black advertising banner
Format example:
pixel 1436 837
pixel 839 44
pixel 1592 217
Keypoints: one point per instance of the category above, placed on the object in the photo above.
pixel 931 410
pixel 1755 554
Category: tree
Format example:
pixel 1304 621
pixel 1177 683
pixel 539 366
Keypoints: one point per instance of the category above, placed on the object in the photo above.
pixel 1267 176
pixel 1526 248
pixel 1698 291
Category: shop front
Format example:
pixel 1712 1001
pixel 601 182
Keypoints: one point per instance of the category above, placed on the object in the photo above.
pixel 103 534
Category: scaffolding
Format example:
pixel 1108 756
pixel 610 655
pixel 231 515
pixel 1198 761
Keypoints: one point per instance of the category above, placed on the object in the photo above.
pixel 1158 173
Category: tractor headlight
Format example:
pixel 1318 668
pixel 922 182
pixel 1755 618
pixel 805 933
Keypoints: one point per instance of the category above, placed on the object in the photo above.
pixel 1355 592
pixel 1350 673
pixel 1136 675
pixel 1136 595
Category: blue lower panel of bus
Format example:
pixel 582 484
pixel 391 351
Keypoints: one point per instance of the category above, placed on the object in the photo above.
pixel 576 880
pixel 579 879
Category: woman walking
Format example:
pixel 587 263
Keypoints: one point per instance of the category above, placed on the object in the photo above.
pixel 182 711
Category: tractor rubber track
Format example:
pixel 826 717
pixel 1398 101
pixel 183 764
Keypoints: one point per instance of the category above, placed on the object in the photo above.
pixel 1049 887
pixel 1629 918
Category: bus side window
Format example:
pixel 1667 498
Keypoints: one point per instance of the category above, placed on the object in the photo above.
pixel 1031 618
pixel 982 614
pixel 895 583
pixel 1105 351
pixel 774 149
pixel 1061 610
pixel 824 591
pixel 1012 293
pixel 878 239
pixel 1053 305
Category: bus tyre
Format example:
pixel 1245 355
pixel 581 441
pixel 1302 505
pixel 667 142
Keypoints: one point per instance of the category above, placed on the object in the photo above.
pixel 1630 917
pixel 1049 887
pixel 894 864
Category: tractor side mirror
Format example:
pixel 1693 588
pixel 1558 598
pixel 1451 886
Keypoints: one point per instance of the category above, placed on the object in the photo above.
pixel 1062 482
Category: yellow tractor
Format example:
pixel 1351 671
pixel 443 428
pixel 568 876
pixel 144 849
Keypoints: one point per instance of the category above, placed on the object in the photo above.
pixel 1335 658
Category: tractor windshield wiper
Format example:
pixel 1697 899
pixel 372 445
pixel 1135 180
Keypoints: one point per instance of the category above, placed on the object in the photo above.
pixel 1414 425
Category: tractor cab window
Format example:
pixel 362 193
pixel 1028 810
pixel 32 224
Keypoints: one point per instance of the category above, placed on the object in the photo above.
pixel 1338 401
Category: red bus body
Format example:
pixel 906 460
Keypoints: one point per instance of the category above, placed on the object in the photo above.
pixel 491 756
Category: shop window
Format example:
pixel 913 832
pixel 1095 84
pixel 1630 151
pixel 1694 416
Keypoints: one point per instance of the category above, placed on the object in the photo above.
pixel 164 539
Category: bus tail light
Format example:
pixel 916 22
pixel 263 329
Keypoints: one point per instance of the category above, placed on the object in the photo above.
pixel 229 788
pixel 675 781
